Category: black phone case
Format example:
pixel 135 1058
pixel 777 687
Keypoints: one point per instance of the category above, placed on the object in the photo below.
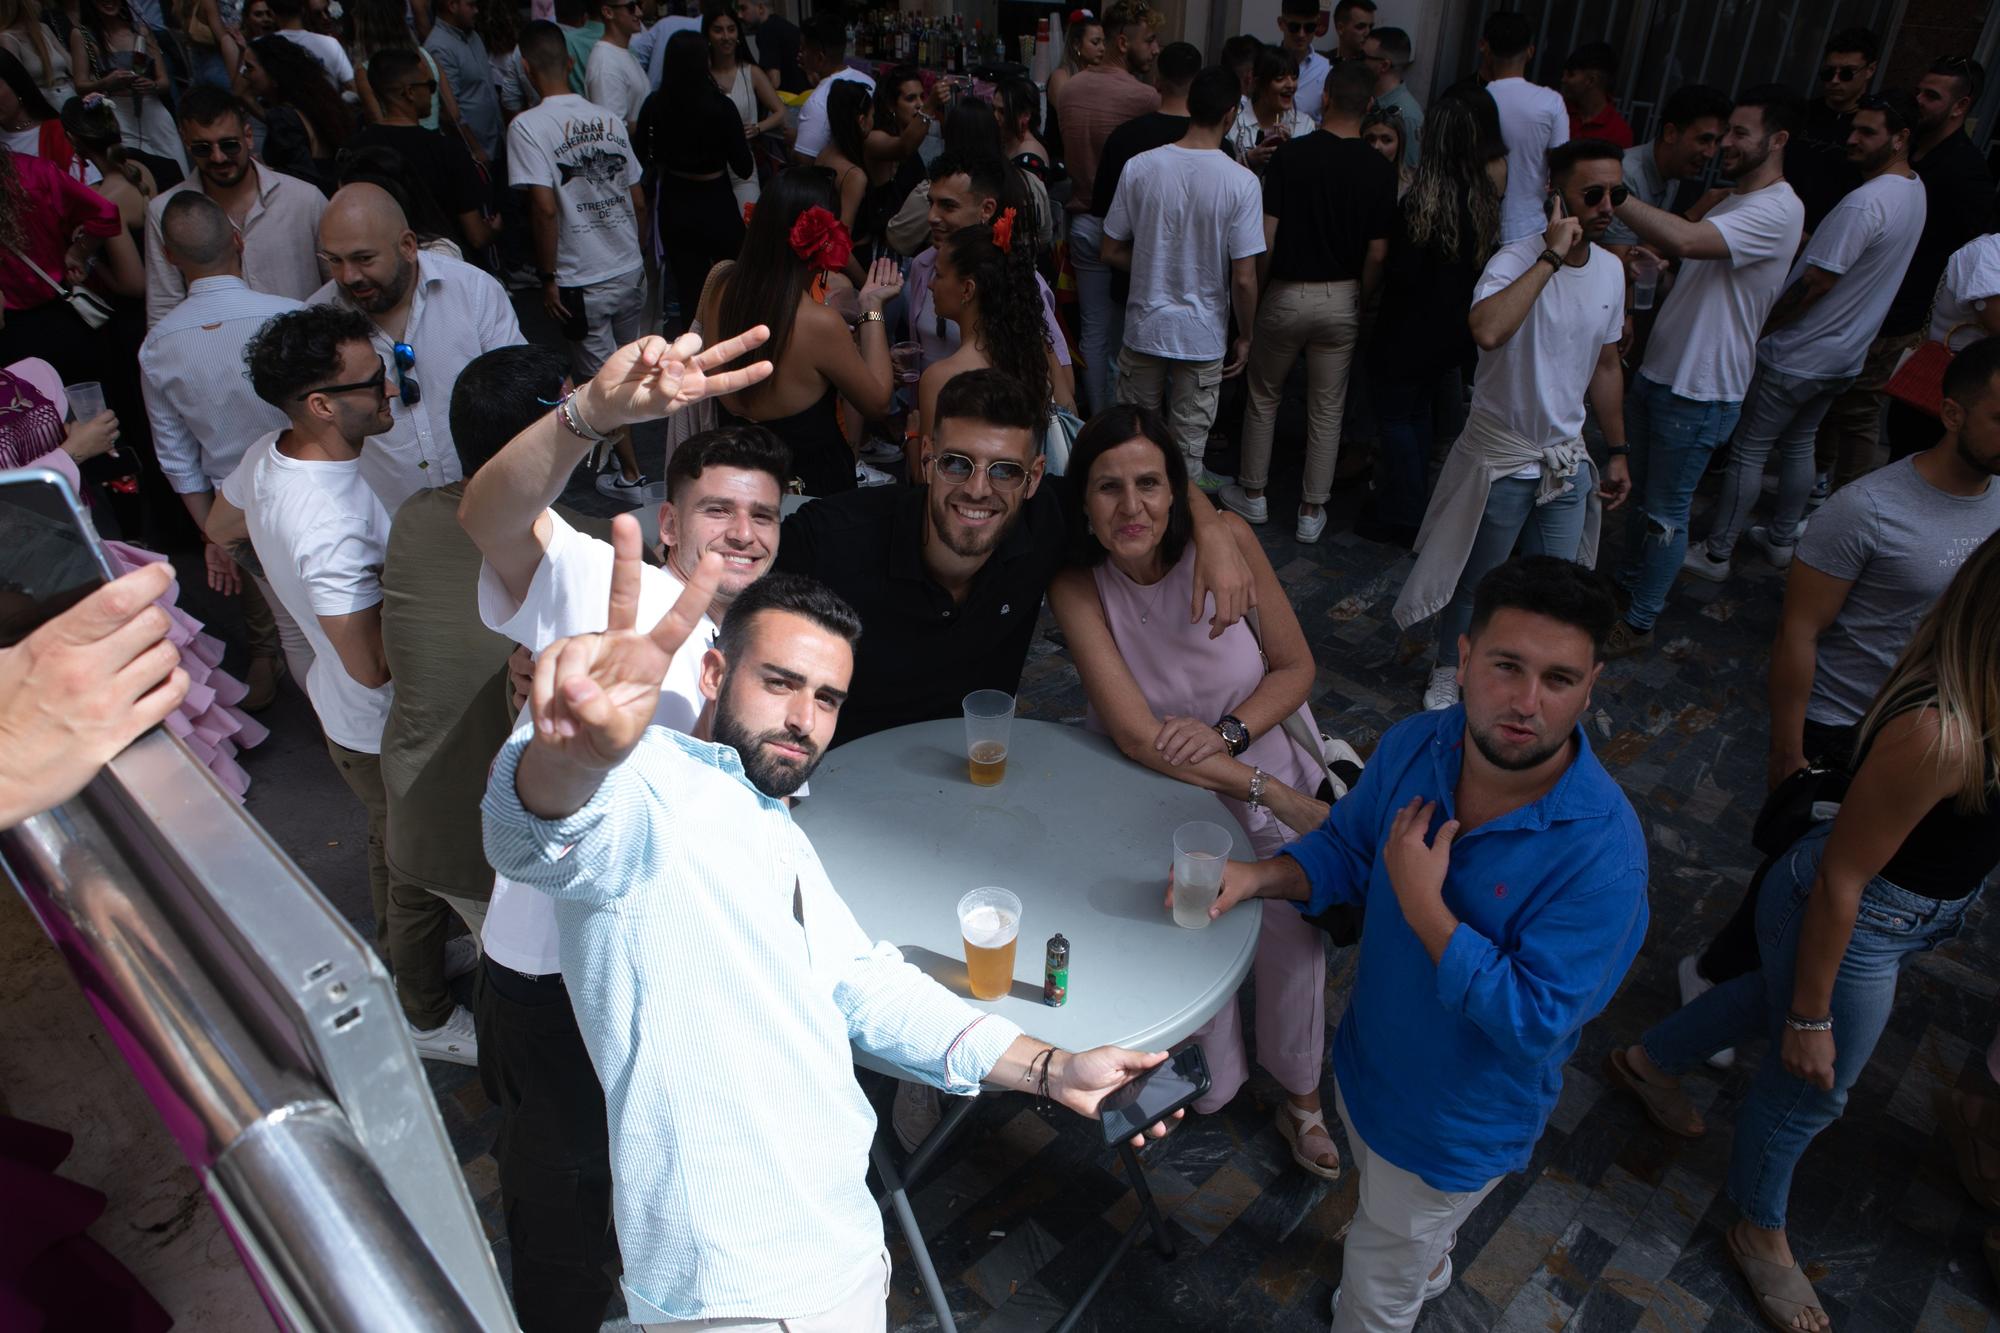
pixel 1186 1055
pixel 578 324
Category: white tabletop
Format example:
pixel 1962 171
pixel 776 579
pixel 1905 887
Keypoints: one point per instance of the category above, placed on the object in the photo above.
pixel 1080 833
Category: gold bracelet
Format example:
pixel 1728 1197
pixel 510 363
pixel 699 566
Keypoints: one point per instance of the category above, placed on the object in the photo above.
pixel 869 317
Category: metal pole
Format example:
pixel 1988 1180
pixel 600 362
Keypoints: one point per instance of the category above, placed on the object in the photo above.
pixel 1667 56
pixel 1640 23
pixel 1812 67
pixel 1708 48
pixel 1743 54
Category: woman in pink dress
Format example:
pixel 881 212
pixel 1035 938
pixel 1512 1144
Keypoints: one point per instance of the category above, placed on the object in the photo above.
pixel 1207 710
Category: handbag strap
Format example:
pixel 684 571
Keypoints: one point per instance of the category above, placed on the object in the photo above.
pixel 61 288
pixel 1294 726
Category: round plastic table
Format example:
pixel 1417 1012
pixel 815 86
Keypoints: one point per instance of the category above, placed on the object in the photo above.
pixel 1080 833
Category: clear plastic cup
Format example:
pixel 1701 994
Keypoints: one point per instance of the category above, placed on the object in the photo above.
pixel 908 359
pixel 989 720
pixel 1645 280
pixel 1201 850
pixel 86 400
pixel 989 921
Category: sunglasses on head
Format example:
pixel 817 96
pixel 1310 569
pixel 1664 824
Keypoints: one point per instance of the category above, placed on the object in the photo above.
pixel 407 387
pixel 1838 73
pixel 378 384
pixel 958 469
pixel 206 148
pixel 1593 195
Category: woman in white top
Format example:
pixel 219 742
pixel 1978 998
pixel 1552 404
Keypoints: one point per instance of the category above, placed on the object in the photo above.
pixel 37 48
pixel 1964 309
pixel 742 82
pixel 1268 116
pixel 111 52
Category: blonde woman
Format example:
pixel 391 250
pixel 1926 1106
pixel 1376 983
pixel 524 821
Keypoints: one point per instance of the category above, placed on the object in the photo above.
pixel 1083 46
pixel 41 53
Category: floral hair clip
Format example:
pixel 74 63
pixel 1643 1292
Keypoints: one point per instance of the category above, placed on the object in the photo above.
pixel 819 239
pixel 95 100
pixel 1003 229
pixel 1077 16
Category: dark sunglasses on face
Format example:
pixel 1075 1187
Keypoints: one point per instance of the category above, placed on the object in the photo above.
pixel 407 387
pixel 204 148
pixel 958 469
pixel 1593 195
pixel 1297 28
pixel 430 86
pixel 378 384
pixel 1838 73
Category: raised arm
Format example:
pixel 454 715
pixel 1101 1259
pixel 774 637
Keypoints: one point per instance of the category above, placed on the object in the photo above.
pixel 1671 234
pixel 1498 317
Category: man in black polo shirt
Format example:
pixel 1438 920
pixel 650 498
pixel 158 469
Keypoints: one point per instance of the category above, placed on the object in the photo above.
pixel 948 577
pixel 1816 164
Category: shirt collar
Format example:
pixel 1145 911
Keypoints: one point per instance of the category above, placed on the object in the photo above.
pixel 1584 791
pixel 724 759
pixel 216 282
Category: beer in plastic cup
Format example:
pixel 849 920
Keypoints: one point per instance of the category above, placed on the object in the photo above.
pixel 989 718
pixel 989 921
pixel 1201 850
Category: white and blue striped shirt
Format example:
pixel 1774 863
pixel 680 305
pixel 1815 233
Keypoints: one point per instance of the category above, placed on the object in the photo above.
pixel 720 1025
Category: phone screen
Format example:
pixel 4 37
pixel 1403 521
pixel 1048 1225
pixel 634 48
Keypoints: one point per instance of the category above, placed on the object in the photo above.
pixel 1155 1094
pixel 53 561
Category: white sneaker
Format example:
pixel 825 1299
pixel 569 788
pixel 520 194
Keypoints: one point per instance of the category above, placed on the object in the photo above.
pixel 1702 565
pixel 1693 986
pixel 452 1041
pixel 871 476
pixel 613 483
pixel 1311 526
pixel 878 450
pixel 461 955
pixel 1235 499
pixel 916 1114
pixel 1778 553
pixel 1442 690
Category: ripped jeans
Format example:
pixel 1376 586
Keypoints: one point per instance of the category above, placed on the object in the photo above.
pixel 1671 438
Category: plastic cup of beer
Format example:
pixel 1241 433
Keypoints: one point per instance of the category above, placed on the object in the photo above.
pixel 86 400
pixel 989 718
pixel 1201 850
pixel 989 920
pixel 908 360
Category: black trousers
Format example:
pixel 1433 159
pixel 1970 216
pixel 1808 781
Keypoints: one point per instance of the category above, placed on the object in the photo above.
pixel 553 1152
pixel 1734 952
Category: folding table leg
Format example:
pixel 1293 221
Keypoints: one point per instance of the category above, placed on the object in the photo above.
pixel 1162 1239
pixel 906 1217
pixel 1149 1215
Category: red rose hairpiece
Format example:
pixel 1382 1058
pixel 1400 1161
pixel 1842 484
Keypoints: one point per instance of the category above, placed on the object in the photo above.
pixel 1077 16
pixel 820 240
pixel 1003 229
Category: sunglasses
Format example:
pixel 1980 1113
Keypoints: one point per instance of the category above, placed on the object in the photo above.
pixel 428 85
pixel 205 148
pixel 1296 28
pixel 407 387
pixel 1593 195
pixel 1838 73
pixel 958 469
pixel 378 384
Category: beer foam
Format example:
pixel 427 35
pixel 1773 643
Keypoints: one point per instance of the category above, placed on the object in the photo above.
pixel 988 927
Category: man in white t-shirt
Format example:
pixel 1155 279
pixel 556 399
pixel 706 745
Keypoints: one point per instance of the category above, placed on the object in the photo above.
pixel 823 56
pixel 613 79
pixel 1533 120
pixel 331 55
pixel 1188 223
pixel 1685 399
pixel 540 581
pixel 1547 315
pixel 1816 338
pixel 321 534
pixel 575 160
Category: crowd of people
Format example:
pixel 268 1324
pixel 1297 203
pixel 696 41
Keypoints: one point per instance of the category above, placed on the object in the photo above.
pixel 912 390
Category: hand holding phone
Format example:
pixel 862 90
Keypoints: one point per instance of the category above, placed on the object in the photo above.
pixel 1563 230
pixel 1152 1100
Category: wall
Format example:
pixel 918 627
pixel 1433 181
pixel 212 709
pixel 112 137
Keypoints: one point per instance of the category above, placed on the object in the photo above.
pixel 1424 20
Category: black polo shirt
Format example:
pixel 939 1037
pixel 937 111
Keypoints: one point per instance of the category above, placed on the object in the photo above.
pixel 921 652
pixel 1958 202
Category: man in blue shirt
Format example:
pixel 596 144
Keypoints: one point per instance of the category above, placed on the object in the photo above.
pixel 1504 877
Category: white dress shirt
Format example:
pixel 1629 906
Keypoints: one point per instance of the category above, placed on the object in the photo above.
pixel 199 401
pixel 280 242
pixel 457 312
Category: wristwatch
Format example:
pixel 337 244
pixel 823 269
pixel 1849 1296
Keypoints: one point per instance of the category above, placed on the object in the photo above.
pixel 1554 260
pixel 1234 734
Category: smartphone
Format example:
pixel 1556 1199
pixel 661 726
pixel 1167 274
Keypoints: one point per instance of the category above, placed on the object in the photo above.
pixel 1154 1095
pixel 54 558
pixel 577 327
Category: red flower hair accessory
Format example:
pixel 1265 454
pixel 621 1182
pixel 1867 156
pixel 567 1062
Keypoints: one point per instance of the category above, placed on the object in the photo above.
pixel 820 240
pixel 1003 229
pixel 749 208
pixel 1077 16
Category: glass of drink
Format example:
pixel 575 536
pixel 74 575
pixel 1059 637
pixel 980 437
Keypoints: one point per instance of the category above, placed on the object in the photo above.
pixel 86 400
pixel 908 359
pixel 1201 850
pixel 989 920
pixel 989 717
pixel 1645 280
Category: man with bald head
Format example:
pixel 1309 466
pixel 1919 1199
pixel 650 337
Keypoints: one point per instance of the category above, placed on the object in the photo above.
pixel 432 316
pixel 202 409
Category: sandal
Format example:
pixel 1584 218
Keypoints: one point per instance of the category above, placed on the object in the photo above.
pixel 1669 1108
pixel 1305 1132
pixel 1780 1290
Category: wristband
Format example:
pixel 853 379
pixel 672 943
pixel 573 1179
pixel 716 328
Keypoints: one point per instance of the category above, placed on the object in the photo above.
pixel 1797 1024
pixel 1257 779
pixel 545 276
pixel 1554 260
pixel 572 420
pixel 1618 450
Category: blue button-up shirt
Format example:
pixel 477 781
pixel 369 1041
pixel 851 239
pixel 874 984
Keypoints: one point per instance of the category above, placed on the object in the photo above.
pixel 1450 1069
pixel 718 980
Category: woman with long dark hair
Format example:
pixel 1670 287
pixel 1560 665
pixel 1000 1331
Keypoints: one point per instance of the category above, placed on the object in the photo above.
pixel 1017 105
pixel 111 52
pixel 985 282
pixel 28 124
pixel 692 135
pixel 748 88
pixel 850 114
pixel 779 280
pixel 904 114
pixel 305 122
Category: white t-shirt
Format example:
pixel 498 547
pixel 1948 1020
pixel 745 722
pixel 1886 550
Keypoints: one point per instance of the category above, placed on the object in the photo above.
pixel 1971 279
pixel 613 79
pixel 581 151
pixel 567 596
pixel 1867 240
pixel 1533 119
pixel 321 534
pixel 332 56
pixel 1535 382
pixel 813 133
pixel 1189 212
pixel 1704 344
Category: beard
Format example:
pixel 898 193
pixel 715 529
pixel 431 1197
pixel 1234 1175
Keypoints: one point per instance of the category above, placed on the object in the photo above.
pixel 1513 761
pixel 776 778
pixel 1747 161
pixel 389 294
pixel 1988 465
pixel 970 545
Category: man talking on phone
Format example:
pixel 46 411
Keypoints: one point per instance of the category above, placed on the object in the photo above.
pixel 719 980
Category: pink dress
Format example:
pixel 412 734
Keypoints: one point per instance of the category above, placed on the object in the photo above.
pixel 1182 672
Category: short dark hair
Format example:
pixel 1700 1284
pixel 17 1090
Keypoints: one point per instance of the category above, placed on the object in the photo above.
pixel 1548 585
pixel 1969 377
pixel 1971 75
pixel 195 229
pixel 1508 34
pixel 1239 50
pixel 1395 43
pixel 1342 7
pixel 1350 88
pixel 1179 62
pixel 498 395
pixel 751 448
pixel 1693 101
pixel 825 31
pixel 1564 156
pixel 1116 425
pixel 1898 108
pixel 543 48
pixel 204 104
pixel 288 9
pixel 1596 57
pixel 1272 63
pixel 393 66
pixel 1212 96
pixel 796 593
pixel 986 173
pixel 1862 41
pixel 989 396
pixel 1300 9
pixel 294 351
pixel 1781 108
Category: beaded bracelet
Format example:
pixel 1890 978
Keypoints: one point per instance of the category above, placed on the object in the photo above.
pixel 1797 1024
pixel 572 419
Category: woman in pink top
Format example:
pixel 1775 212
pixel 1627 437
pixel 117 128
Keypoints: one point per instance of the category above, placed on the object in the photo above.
pixel 1165 690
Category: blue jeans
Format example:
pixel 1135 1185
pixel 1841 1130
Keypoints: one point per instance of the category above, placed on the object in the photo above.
pixel 1782 1114
pixel 1671 440
pixel 1103 318
pixel 1785 411
pixel 1511 516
